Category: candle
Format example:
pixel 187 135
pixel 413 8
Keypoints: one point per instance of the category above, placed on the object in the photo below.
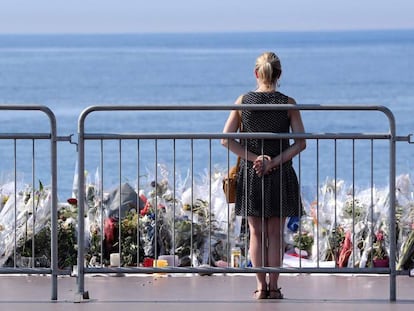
pixel 160 263
pixel 115 260
pixel 171 259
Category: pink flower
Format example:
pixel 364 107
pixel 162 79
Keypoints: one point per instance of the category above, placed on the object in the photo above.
pixel 380 236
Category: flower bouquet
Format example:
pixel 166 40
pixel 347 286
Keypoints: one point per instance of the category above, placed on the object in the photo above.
pixel 303 242
pixel 379 252
pixel 405 222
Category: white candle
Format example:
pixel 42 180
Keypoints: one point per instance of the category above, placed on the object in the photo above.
pixel 115 260
pixel 171 259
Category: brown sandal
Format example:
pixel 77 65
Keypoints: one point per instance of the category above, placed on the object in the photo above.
pixel 275 294
pixel 260 294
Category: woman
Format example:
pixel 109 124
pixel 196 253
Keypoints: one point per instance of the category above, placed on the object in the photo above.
pixel 267 188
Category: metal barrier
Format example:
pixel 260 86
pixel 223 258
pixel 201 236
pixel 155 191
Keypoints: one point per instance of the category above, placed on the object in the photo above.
pixel 12 231
pixel 389 137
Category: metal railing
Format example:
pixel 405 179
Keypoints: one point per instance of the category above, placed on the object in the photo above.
pixel 14 145
pixel 389 137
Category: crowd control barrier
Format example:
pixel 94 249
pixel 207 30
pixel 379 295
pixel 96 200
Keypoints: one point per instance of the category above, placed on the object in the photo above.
pixel 181 210
pixel 34 154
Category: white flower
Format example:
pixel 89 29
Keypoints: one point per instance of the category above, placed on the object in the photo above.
pixel 68 223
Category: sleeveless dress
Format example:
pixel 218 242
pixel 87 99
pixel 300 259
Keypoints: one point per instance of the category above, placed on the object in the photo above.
pixel 277 193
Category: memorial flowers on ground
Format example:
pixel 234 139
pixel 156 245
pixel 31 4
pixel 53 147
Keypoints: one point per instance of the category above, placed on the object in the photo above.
pixel 30 230
pixel 159 222
pixel 345 226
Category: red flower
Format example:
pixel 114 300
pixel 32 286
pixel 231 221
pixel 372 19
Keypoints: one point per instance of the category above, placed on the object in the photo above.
pixel 109 231
pixel 143 198
pixel 146 209
pixel 345 251
pixel 73 201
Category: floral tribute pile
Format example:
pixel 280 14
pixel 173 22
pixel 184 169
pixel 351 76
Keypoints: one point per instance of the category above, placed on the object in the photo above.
pixel 140 225
pixel 345 227
pixel 25 228
pixel 159 219
pixel 350 228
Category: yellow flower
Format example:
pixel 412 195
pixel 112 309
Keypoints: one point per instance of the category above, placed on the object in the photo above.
pixel 4 199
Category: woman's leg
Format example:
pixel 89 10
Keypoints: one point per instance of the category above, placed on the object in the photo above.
pixel 258 236
pixel 275 227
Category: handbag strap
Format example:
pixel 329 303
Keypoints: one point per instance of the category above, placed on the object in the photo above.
pixel 240 129
pixel 240 115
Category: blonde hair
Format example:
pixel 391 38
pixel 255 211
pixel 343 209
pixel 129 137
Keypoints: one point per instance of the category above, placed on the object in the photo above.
pixel 268 68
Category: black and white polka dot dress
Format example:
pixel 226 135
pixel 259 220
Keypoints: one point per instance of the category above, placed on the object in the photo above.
pixel 275 194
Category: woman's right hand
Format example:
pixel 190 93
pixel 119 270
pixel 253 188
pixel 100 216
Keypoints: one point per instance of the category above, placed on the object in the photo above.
pixel 262 165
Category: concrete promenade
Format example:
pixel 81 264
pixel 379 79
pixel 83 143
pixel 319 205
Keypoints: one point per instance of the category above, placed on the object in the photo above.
pixel 216 292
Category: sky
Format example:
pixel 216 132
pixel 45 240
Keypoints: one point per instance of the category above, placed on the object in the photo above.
pixel 143 16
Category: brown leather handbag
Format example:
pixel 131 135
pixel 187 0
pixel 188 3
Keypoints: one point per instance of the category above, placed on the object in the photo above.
pixel 230 183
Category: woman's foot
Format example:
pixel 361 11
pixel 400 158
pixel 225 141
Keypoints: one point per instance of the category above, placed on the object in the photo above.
pixel 260 294
pixel 275 294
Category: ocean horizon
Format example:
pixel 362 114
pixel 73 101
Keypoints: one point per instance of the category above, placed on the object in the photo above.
pixel 70 72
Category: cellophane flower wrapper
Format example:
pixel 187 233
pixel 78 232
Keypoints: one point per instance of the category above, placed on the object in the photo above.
pixel 326 214
pixel 94 212
pixel 160 214
pixel 362 215
pixel 405 221
pixel 404 205
pixel 341 207
pixel 16 219
pixel 365 213
pixel 225 224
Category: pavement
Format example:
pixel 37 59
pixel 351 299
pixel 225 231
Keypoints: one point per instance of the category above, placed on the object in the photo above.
pixel 212 293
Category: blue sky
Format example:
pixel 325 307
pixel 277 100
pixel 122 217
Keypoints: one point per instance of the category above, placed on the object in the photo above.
pixel 135 16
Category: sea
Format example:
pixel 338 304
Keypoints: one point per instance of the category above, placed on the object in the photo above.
pixel 70 72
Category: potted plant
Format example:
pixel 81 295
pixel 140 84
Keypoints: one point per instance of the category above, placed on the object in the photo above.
pixel 379 253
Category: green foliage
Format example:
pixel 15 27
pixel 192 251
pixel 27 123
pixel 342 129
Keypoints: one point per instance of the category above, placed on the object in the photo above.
pixel 41 244
pixel 303 241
